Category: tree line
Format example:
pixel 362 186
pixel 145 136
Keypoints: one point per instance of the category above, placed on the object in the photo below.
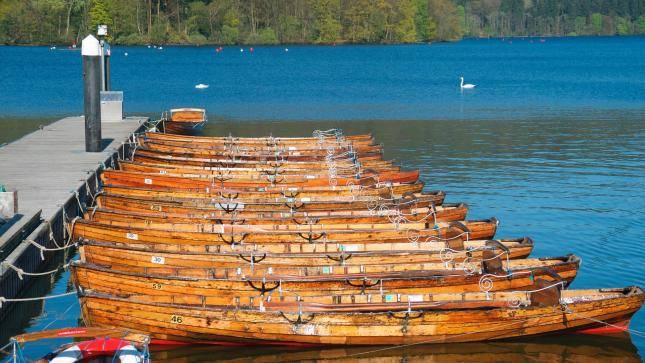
pixel 311 21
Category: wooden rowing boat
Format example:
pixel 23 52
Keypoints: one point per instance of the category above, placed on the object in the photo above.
pixel 385 191
pixel 494 274
pixel 153 180
pixel 162 200
pixel 370 152
pixel 443 213
pixel 140 256
pixel 314 148
pixel 276 236
pixel 147 165
pixel 324 139
pixel 142 155
pixel 246 177
pixel 184 121
pixel 367 319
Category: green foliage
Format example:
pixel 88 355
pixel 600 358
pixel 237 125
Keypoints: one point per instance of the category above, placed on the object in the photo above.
pixel 99 14
pixel 623 26
pixel 421 20
pixel 326 14
pixel 229 35
pixel 264 36
pixel 159 33
pixel 446 17
pixel 311 21
pixel 131 39
pixel 639 25
pixel 197 39
pixel 596 23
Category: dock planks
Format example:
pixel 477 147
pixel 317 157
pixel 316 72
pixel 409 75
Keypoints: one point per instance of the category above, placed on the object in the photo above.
pixel 48 167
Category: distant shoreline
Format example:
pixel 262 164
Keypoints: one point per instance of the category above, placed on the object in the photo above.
pixel 208 44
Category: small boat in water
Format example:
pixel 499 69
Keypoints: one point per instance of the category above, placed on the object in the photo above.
pixel 183 120
pixel 106 345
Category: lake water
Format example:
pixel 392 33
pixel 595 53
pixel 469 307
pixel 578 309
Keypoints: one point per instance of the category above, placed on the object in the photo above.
pixel 550 142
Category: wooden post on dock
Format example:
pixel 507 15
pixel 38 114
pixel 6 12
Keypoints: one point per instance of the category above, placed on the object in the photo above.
pixel 92 80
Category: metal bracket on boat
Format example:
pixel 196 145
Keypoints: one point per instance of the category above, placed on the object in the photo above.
pixel 253 259
pixel 273 179
pixel 263 288
pixel 226 207
pixel 497 244
pixel 364 284
pixel 232 241
pixel 291 194
pixel 229 196
pixel 307 221
pixel 300 319
pixel 294 205
pixel 311 237
pixel 275 171
pixel 406 319
pixel 341 258
pixel 221 177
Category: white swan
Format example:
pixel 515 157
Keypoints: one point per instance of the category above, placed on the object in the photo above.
pixel 467 85
pixel 201 86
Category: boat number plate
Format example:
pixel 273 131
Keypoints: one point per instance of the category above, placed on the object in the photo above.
pixel 133 236
pixel 147 181
pixel 156 286
pixel 176 319
pixel 163 172
pixel 159 260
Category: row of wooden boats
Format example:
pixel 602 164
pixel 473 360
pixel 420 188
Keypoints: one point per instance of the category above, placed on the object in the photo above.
pixel 318 240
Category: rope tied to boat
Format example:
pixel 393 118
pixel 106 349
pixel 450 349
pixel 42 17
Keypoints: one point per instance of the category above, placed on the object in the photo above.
pixel 78 200
pixel 21 273
pixel 38 298
pixel 43 248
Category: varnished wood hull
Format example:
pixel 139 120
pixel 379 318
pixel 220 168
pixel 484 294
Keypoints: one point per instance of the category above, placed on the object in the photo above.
pixel 269 140
pixel 138 257
pixel 219 175
pixel 227 284
pixel 159 199
pixel 146 155
pixel 390 324
pixel 153 180
pixel 445 213
pixel 276 235
pixel 183 127
pixel 214 189
pixel 363 154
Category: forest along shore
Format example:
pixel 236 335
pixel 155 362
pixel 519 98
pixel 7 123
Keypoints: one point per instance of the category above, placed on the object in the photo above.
pixel 136 22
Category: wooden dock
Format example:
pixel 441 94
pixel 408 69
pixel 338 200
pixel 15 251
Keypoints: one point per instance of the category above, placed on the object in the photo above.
pixel 55 177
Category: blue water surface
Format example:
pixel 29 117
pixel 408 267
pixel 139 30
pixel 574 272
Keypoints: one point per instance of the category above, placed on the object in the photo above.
pixel 550 141
pixel 515 78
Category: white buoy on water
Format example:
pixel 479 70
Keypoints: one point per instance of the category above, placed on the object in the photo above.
pixel 286 49
pixel 201 86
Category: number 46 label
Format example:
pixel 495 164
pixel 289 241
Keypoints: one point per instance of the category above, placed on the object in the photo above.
pixel 176 319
